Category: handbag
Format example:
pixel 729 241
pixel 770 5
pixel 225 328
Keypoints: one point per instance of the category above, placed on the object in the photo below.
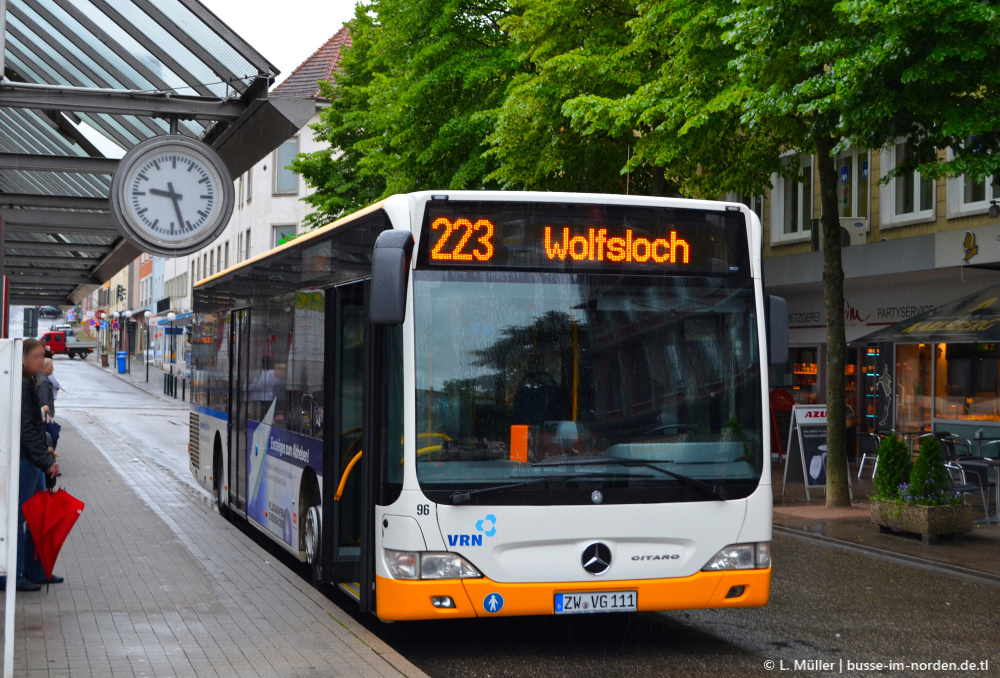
pixel 53 429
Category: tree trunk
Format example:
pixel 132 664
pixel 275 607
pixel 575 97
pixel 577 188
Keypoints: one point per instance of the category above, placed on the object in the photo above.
pixel 836 343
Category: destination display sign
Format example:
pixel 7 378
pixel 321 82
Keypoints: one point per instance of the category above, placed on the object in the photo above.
pixel 576 237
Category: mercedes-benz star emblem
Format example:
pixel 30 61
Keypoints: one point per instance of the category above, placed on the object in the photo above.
pixel 597 496
pixel 596 558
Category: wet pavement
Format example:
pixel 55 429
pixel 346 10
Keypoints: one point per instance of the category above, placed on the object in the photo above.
pixel 975 553
pixel 157 583
pixel 826 605
pixel 841 592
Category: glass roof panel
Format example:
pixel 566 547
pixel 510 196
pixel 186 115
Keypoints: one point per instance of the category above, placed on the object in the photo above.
pixel 136 79
pixel 130 45
pixel 66 72
pixel 158 34
pixel 54 35
pixel 208 38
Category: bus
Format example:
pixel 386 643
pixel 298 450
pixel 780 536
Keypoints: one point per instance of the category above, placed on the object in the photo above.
pixel 476 404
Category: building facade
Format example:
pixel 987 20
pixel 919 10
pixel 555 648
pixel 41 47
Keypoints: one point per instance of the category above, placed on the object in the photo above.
pixel 268 211
pixel 910 245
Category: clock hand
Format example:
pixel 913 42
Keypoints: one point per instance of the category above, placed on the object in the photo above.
pixel 166 194
pixel 176 197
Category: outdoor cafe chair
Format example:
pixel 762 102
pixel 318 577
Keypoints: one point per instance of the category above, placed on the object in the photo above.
pixel 961 482
pixel 869 450
pixel 954 446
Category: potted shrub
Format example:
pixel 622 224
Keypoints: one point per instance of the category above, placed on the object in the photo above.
pixel 918 500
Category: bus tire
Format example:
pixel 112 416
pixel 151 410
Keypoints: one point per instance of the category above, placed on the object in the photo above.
pixel 314 543
pixel 217 485
pixel 311 525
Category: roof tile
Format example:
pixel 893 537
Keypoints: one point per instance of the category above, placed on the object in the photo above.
pixel 302 82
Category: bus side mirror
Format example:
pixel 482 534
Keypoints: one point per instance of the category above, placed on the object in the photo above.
pixel 390 266
pixel 776 314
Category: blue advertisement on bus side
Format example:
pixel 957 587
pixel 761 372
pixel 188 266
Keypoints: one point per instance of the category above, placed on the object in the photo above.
pixel 276 460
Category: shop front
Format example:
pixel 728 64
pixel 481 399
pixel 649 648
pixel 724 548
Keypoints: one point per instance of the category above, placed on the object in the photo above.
pixel 947 363
pixel 888 383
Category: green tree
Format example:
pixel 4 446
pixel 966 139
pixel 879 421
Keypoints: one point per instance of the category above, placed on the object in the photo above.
pixel 737 84
pixel 927 72
pixel 412 103
pixel 570 49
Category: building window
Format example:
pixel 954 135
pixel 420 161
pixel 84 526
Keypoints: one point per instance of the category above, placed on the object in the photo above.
pixel 908 198
pixel 246 244
pixel 249 185
pixel 226 250
pixel 239 191
pixel 968 196
pixel 792 203
pixel 239 247
pixel 204 266
pixel 282 234
pixel 286 182
pixel 852 184
pixel 211 262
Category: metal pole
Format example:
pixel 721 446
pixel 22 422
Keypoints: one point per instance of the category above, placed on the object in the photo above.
pixel 145 355
pixel 3 35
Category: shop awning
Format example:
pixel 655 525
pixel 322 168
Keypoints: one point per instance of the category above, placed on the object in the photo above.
pixel 971 319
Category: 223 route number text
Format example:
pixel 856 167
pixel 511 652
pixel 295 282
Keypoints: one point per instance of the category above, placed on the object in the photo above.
pixel 481 247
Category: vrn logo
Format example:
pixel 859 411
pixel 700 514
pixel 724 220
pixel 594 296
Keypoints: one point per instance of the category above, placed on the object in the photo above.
pixel 487 526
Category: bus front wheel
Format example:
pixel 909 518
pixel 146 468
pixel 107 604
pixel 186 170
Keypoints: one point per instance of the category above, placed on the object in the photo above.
pixel 314 542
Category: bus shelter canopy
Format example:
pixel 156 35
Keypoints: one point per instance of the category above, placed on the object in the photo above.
pixel 83 81
pixel 971 319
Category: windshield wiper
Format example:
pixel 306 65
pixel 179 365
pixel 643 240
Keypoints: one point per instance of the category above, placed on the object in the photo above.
pixel 464 496
pixel 716 492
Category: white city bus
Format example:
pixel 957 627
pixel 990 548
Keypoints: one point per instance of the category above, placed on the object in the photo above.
pixel 474 404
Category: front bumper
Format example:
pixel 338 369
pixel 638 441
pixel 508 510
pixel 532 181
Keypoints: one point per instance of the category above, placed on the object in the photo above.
pixel 406 600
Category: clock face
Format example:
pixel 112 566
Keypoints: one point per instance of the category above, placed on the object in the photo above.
pixel 172 196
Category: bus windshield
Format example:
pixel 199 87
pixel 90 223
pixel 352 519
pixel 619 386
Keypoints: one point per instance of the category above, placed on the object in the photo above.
pixel 523 376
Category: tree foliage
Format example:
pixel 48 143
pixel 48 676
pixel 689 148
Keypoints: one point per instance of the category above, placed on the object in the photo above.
pixel 412 103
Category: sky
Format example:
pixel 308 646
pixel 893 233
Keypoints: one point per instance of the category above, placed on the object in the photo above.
pixel 287 36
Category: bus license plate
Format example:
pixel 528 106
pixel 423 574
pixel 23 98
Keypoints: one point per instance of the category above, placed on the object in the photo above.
pixel 601 601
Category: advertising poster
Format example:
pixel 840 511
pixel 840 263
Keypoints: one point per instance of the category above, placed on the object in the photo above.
pixel 276 459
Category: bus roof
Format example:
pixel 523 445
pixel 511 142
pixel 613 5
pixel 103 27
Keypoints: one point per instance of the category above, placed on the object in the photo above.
pixel 305 237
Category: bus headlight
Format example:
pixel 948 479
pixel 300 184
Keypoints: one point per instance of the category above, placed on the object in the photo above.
pixel 414 565
pixel 741 557
pixel 446 566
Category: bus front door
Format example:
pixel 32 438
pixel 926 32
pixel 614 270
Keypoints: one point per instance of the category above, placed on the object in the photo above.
pixel 342 522
pixel 239 332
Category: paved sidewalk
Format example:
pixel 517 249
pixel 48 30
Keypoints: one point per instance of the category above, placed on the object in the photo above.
pixel 975 554
pixel 158 584
pixel 137 378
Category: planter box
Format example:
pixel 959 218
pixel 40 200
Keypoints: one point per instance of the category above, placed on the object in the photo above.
pixel 930 522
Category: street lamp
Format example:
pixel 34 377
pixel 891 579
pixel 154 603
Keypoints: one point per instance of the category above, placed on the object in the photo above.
pixel 145 355
pixel 172 317
pixel 128 337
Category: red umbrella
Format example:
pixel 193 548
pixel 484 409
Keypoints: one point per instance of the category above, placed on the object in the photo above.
pixel 50 517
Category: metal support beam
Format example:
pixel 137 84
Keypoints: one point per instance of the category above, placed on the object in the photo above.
pixel 55 221
pixel 61 202
pixel 57 163
pixel 58 260
pixel 49 246
pixel 14 95
pixel 22 279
